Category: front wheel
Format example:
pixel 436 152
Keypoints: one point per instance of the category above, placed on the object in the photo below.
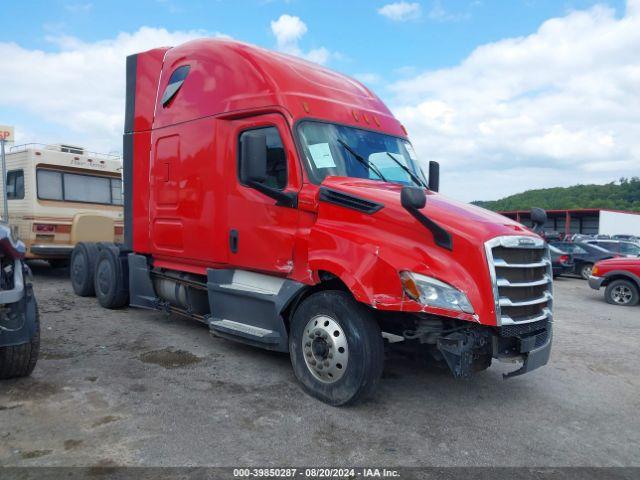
pixel 622 292
pixel 336 348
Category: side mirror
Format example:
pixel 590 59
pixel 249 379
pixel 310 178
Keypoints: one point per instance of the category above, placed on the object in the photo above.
pixel 254 158
pixel 538 218
pixel 413 198
pixel 434 176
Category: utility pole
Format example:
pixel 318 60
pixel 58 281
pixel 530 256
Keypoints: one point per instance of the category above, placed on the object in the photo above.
pixel 6 135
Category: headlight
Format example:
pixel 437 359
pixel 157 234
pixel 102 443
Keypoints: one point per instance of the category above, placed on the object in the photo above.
pixel 432 292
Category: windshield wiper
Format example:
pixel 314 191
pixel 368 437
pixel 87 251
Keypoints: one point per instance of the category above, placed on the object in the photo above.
pixel 362 160
pixel 413 176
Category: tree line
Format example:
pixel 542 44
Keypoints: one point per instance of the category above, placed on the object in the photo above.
pixel 621 195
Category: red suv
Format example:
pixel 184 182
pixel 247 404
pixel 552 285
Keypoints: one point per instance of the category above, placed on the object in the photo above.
pixel 621 277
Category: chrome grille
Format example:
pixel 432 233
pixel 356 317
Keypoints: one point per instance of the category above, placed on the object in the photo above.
pixel 520 269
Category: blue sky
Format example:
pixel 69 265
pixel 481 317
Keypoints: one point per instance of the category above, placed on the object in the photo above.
pixel 446 32
pixel 522 94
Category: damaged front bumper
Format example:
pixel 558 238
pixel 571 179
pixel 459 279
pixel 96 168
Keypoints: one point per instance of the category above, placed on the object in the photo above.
pixel 529 343
pixel 535 351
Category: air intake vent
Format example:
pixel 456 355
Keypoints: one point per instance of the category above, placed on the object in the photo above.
pixel 347 200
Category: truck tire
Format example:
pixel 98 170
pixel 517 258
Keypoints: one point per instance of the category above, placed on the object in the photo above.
pixel 585 270
pixel 83 259
pixel 336 348
pixel 622 292
pixel 20 360
pixel 109 279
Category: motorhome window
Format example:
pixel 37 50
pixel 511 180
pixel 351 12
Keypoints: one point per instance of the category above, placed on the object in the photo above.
pixel 276 158
pixel 83 188
pixel 49 185
pixel 75 187
pixel 175 82
pixel 116 191
pixel 327 156
pixel 15 185
pixel 70 149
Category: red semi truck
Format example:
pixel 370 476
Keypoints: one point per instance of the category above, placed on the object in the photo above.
pixel 282 204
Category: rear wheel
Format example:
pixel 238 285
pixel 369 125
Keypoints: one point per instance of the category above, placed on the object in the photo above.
pixel 622 292
pixel 585 270
pixel 336 348
pixel 110 285
pixel 20 360
pixel 83 259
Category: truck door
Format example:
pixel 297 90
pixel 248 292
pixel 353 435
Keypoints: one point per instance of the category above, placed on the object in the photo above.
pixel 261 232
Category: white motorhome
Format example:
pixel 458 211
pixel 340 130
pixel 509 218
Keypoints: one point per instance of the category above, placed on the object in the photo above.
pixel 59 195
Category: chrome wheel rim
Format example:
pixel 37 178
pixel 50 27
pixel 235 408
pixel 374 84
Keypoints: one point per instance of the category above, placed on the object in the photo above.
pixel 325 349
pixel 586 271
pixel 621 294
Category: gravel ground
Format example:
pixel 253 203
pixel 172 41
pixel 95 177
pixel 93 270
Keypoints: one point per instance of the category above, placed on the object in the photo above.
pixel 134 387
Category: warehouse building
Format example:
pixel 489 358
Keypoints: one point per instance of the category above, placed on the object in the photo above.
pixel 588 221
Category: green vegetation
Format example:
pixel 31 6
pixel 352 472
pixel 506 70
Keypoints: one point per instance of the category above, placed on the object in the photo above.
pixel 622 195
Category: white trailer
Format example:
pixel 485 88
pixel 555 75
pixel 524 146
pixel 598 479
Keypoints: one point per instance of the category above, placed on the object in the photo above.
pixel 617 223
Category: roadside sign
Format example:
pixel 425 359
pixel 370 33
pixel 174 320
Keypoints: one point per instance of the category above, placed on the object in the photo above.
pixel 6 133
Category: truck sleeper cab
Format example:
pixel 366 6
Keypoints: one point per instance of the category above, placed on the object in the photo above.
pixel 283 205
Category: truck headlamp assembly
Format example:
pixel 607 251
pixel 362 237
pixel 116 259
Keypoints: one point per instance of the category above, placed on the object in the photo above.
pixel 434 293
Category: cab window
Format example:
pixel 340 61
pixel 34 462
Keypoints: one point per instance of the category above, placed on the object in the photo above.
pixel 276 158
pixel 175 82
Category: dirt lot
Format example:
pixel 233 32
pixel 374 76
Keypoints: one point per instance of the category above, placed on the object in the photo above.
pixel 133 387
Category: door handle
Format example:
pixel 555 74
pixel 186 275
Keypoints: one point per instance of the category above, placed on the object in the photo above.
pixel 233 241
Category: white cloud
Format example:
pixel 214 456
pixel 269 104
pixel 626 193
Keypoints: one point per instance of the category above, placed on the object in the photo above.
pixel 288 31
pixel 557 107
pixel 401 11
pixel 80 87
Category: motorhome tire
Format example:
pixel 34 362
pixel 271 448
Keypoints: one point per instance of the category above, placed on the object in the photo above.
pixel 109 279
pixel 20 360
pixel 83 259
pixel 336 348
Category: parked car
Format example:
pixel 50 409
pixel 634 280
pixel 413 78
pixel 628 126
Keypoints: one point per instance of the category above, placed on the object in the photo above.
pixel 584 254
pixel 621 277
pixel 622 248
pixel 628 238
pixel 19 323
pixel 561 262
pixel 552 235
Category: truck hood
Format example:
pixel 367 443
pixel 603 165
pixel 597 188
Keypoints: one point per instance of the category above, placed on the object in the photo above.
pixel 377 246
pixel 460 219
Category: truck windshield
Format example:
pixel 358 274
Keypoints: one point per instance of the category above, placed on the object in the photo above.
pixel 333 150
